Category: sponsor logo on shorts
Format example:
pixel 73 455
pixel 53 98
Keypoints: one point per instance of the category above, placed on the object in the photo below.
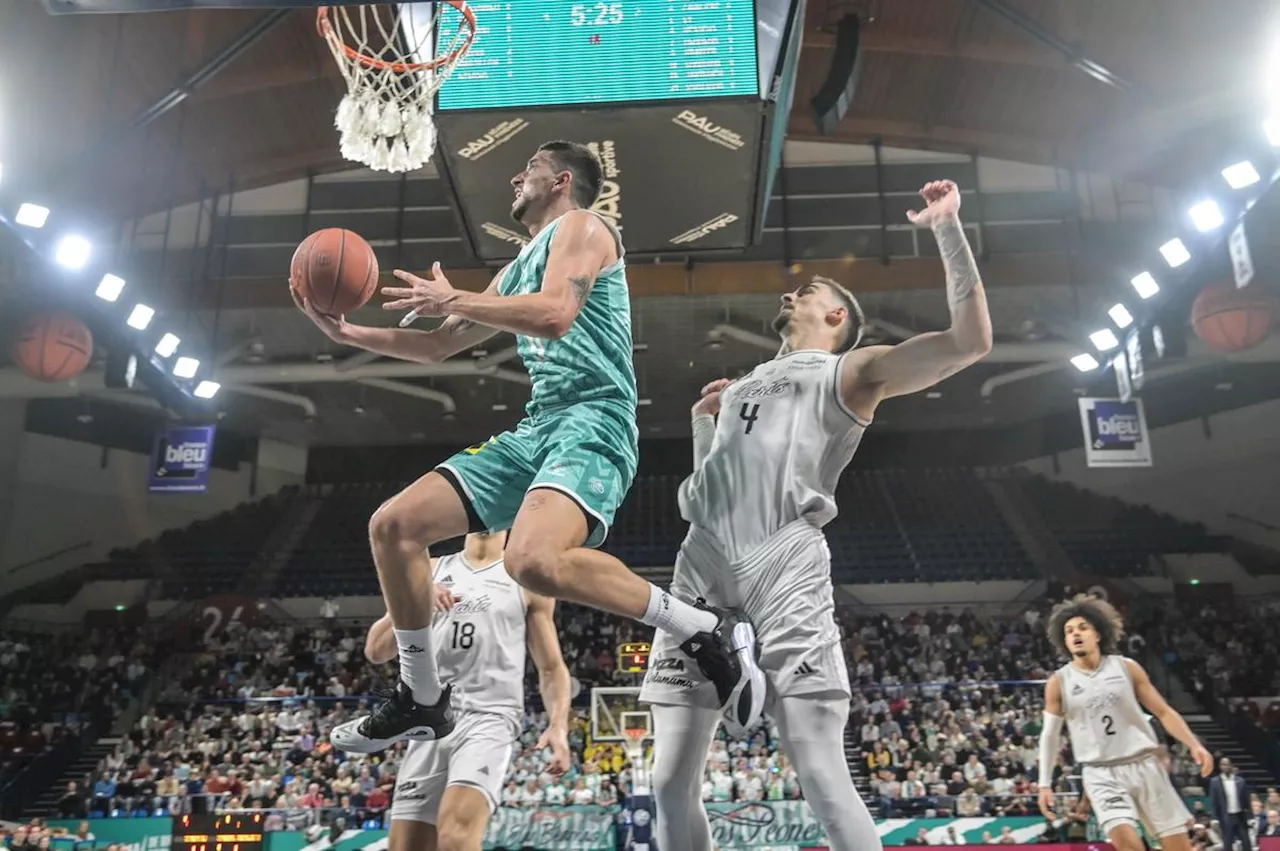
pixel 597 486
pixel 664 680
pixel 708 227
pixel 504 234
pixel 668 665
pixel 1114 801
pixel 406 786
pixel 700 125
pixel 484 769
pixel 413 648
pixel 806 670
pixel 494 139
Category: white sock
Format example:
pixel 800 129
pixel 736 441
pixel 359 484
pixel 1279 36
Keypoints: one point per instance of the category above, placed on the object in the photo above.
pixel 676 617
pixel 418 664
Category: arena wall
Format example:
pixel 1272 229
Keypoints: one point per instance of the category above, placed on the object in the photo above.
pixel 69 503
pixel 1219 471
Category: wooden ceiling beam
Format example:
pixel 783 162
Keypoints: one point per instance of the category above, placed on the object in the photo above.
pixel 962 140
pixel 670 279
pixel 876 40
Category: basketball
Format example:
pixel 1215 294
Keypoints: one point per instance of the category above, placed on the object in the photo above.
pixel 1233 320
pixel 335 270
pixel 53 348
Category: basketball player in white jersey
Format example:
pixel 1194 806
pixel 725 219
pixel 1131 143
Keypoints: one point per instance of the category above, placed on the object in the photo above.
pixel 1100 696
pixel 762 488
pixel 447 790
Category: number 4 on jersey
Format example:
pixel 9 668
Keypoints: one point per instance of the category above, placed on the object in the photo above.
pixel 748 414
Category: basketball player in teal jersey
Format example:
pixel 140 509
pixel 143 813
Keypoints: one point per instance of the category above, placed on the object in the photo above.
pixel 556 480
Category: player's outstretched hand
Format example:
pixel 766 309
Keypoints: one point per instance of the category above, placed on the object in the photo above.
pixel 1204 759
pixel 334 327
pixel 709 403
pixel 445 598
pixel 1046 803
pixel 941 198
pixel 558 740
pixel 425 296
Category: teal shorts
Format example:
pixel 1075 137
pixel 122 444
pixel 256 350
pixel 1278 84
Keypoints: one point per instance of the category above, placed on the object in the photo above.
pixel 587 451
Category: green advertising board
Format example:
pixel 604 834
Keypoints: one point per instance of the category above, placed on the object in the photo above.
pixel 136 834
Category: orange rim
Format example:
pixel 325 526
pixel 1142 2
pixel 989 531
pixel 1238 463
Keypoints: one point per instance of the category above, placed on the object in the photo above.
pixel 326 29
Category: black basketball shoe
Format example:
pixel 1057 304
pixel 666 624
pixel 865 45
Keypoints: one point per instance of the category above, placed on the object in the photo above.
pixel 395 718
pixel 727 656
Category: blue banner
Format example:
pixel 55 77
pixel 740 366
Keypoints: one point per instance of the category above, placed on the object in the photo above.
pixel 180 460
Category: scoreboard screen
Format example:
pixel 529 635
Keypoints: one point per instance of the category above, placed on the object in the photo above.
pixel 563 52
pixel 230 832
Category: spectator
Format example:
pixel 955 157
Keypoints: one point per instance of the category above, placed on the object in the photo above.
pixel 71 804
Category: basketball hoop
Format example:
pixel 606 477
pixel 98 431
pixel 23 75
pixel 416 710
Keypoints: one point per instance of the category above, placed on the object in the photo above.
pixel 635 743
pixel 385 117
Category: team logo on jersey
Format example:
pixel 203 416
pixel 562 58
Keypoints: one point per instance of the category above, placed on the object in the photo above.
pixel 1100 703
pixel 756 388
pixel 473 605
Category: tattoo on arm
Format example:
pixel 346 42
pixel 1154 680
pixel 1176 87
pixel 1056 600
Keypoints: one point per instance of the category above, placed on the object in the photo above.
pixel 582 285
pixel 957 260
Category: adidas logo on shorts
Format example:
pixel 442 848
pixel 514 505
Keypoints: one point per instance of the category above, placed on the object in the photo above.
pixel 805 670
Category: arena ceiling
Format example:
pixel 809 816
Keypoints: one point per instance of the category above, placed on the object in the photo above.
pixel 948 75
pixel 945 76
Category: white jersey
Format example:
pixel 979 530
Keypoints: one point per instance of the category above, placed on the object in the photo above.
pixel 1104 719
pixel 783 437
pixel 480 642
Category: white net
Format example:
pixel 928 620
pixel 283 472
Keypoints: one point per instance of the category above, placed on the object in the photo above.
pixel 387 55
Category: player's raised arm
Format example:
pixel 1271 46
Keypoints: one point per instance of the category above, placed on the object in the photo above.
pixel 454 335
pixel 1050 743
pixel 926 359
pixel 1171 719
pixel 581 248
pixel 553 676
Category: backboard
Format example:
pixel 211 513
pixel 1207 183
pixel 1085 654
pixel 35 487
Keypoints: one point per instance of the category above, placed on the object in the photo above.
pixel 615 709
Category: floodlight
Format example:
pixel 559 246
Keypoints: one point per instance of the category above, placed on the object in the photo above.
pixel 1104 340
pixel 207 389
pixel 1120 315
pixel 1240 175
pixel 1145 285
pixel 141 317
pixel 186 368
pixel 73 252
pixel 167 346
pixel 1206 216
pixel 110 287
pixel 1085 362
pixel 1175 253
pixel 32 215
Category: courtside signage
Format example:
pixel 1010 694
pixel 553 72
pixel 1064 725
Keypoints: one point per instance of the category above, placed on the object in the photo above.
pixel 180 460
pixel 1115 433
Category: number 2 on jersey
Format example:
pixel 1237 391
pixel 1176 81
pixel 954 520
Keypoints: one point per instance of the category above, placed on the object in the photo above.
pixel 748 414
pixel 463 635
pixel 1109 725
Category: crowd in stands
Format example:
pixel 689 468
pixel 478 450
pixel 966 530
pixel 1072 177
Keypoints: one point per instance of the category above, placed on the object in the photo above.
pixel 52 686
pixel 1217 647
pixel 244 724
pixel 948 712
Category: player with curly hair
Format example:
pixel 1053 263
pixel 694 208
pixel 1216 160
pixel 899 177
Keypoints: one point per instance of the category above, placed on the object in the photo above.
pixel 1100 696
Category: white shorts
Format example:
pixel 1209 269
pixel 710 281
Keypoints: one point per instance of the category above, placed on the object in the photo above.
pixel 1138 792
pixel 784 589
pixel 475 754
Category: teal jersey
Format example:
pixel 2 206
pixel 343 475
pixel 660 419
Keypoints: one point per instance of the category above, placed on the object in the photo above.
pixel 593 361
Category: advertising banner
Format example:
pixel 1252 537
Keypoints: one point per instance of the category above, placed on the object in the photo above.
pixel 180 460
pixel 135 834
pixel 1115 433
